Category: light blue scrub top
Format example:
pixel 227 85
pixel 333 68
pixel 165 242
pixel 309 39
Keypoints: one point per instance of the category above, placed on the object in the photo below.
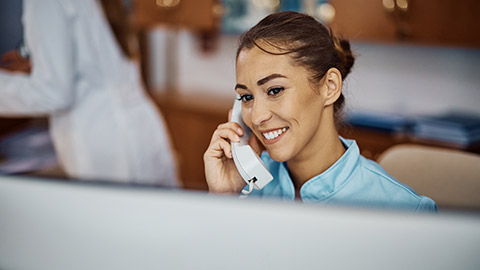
pixel 351 180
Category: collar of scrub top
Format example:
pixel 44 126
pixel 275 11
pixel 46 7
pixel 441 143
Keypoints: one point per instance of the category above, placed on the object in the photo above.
pixel 324 185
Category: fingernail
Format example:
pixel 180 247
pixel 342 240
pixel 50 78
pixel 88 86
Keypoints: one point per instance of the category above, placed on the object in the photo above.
pixel 239 130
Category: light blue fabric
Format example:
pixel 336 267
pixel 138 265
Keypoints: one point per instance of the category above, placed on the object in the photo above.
pixel 352 180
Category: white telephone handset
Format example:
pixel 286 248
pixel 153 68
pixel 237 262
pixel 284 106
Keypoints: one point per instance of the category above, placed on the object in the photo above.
pixel 248 163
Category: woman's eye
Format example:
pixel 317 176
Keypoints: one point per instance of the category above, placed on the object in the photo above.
pixel 275 91
pixel 245 98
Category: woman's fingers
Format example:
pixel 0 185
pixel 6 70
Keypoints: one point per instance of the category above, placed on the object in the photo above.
pixel 229 130
pixel 220 147
pixel 226 134
pixel 223 135
pixel 232 125
pixel 226 147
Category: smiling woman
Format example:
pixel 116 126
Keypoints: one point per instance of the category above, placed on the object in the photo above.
pixel 289 72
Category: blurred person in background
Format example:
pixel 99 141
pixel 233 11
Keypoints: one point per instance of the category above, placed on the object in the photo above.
pixel 78 66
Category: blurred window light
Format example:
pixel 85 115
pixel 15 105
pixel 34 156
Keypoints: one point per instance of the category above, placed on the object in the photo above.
pixel 389 5
pixel 325 12
pixel 402 4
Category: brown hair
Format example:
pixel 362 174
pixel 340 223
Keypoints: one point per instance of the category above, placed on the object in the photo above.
pixel 117 16
pixel 308 41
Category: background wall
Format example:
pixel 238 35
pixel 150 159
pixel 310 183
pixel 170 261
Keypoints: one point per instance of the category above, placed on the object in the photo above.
pixel 408 79
pixel 387 78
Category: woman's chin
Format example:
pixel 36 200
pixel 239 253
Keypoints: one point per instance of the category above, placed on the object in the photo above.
pixel 279 155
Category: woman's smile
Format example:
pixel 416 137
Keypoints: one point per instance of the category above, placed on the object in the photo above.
pixel 274 135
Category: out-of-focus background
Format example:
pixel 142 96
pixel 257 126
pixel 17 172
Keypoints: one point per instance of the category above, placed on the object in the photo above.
pixel 416 76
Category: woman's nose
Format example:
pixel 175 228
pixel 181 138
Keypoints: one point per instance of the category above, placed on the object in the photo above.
pixel 260 112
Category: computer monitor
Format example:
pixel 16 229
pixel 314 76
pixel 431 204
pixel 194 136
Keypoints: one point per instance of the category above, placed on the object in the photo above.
pixel 52 224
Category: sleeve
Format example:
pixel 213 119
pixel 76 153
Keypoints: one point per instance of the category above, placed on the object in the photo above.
pixel 426 205
pixel 50 86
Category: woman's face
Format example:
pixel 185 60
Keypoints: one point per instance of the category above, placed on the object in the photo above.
pixel 279 104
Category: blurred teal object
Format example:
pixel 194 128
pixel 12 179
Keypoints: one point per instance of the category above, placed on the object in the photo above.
pixel 241 15
pixel 293 5
pixel 235 11
pixel 459 128
pixel 386 122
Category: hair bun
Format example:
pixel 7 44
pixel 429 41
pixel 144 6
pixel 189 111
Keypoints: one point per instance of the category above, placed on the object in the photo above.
pixel 347 59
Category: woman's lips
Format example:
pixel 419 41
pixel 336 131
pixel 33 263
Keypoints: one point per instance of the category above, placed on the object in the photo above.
pixel 274 135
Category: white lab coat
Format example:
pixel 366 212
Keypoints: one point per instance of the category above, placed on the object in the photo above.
pixel 103 125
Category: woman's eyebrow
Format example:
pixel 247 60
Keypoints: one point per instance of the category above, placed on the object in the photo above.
pixel 241 86
pixel 270 77
pixel 262 81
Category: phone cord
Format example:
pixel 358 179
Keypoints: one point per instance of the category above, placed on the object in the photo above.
pixel 246 192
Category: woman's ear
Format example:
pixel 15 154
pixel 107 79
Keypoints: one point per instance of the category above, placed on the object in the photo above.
pixel 332 86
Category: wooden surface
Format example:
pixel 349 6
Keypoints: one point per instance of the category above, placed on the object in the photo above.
pixel 370 141
pixel 199 15
pixel 432 22
pixel 191 120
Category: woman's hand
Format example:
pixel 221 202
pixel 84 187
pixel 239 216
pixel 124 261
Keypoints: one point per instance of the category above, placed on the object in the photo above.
pixel 220 171
pixel 14 62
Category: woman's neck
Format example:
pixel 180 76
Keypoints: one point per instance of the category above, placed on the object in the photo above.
pixel 316 158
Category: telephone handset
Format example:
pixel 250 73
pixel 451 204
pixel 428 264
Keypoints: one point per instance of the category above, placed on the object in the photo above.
pixel 248 163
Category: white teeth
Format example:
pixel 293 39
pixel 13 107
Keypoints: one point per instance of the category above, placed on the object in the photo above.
pixel 274 134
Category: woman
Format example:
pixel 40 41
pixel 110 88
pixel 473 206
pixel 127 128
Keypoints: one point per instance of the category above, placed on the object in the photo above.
pixel 85 79
pixel 289 73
